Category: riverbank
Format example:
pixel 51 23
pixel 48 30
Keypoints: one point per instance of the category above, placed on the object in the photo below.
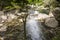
pixel 12 25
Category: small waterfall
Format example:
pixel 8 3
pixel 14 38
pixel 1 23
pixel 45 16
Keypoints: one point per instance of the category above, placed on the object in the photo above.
pixel 34 30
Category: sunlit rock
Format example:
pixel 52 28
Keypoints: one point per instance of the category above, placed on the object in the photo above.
pixel 1 38
pixel 3 28
pixel 41 17
pixel 4 18
pixel 20 20
pixel 1 24
pixel 10 17
pixel 51 22
pixel 51 14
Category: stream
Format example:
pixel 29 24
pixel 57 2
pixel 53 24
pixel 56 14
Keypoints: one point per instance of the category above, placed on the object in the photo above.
pixel 33 28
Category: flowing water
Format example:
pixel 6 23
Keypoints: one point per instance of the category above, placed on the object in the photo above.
pixel 33 28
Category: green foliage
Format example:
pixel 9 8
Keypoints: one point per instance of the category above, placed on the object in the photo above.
pixel 35 1
pixel 8 4
pixel 57 37
pixel 44 11
pixel 52 3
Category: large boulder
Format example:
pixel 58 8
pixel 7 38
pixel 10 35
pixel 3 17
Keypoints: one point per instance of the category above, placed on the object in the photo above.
pixel 51 22
pixel 56 13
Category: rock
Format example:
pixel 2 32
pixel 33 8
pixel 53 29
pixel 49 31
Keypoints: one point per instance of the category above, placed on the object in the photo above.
pixel 1 24
pixel 3 28
pixel 20 20
pixel 10 17
pixel 41 17
pixel 1 38
pixel 56 13
pixel 11 26
pixel 51 14
pixel 38 16
pixel 1 12
pixel 3 18
pixel 51 22
pixel 19 14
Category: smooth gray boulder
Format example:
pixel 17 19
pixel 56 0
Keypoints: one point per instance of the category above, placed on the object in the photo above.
pixel 51 22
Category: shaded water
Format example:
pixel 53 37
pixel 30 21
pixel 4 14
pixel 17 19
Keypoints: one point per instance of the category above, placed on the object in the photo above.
pixel 34 31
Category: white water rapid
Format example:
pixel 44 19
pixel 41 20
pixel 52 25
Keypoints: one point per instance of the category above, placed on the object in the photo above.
pixel 33 28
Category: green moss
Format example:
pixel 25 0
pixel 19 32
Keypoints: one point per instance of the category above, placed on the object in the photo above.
pixel 57 36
